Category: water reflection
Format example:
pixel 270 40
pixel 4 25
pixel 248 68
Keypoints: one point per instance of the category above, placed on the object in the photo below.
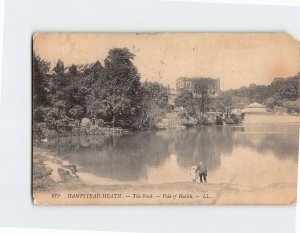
pixel 166 156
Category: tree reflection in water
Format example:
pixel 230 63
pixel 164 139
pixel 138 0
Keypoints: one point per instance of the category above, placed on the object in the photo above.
pixel 129 157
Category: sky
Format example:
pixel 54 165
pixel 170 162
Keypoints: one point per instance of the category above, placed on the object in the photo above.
pixel 238 59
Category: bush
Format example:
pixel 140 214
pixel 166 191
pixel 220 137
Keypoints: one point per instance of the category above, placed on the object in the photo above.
pixel 270 103
pixel 205 120
pixel 236 118
pixel 229 121
pixel 219 120
pixel 279 109
pixel 41 131
pixel 291 106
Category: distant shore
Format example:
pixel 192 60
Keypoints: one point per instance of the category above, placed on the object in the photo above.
pixel 270 117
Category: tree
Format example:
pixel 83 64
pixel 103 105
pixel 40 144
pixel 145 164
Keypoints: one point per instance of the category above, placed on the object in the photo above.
pixel 56 117
pixel 280 90
pixel 185 100
pixel 122 88
pixel 150 114
pixel 239 102
pixel 157 92
pixel 76 112
pixel 224 103
pixel 292 106
pixel 270 103
pixel 75 94
pixel 59 68
pixel 40 84
pixel 73 69
pixel 201 91
pixel 154 104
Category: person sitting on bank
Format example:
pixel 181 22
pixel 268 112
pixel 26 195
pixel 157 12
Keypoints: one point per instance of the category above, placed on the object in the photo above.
pixel 201 171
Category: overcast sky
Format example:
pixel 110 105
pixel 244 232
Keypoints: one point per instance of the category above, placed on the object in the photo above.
pixel 239 59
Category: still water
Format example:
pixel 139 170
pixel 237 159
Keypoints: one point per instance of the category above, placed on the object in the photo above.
pixel 251 154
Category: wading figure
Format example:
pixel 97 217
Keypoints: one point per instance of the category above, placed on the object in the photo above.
pixel 201 171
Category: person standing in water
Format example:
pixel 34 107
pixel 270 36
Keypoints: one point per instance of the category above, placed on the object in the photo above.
pixel 201 171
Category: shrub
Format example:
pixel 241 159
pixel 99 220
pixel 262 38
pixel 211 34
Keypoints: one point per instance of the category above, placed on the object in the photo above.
pixel 219 120
pixel 41 131
pixel 236 118
pixel 229 121
pixel 205 120
pixel 291 106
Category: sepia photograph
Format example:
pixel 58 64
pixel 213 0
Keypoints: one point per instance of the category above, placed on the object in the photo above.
pixel 165 118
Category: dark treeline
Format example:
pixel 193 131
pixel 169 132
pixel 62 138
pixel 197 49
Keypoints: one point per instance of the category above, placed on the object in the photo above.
pixel 89 98
pixel 205 104
pixel 110 95
pixel 280 95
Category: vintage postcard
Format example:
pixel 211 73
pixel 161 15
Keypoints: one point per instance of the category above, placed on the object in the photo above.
pixel 165 118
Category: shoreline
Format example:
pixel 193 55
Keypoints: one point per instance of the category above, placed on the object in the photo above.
pixel 275 119
pixel 54 176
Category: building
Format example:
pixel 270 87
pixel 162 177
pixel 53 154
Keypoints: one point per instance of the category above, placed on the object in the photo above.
pixel 188 84
pixel 85 68
pixel 255 108
pixel 80 69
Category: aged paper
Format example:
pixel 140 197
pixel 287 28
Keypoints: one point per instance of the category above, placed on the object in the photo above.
pixel 165 118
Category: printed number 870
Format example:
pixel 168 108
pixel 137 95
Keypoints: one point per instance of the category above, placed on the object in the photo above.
pixel 55 195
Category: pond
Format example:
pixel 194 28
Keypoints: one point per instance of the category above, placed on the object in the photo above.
pixel 249 154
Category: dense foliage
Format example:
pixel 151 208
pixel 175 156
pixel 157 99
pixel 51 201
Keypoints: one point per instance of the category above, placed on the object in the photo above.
pixel 112 95
pixel 198 102
pixel 282 94
pixel 202 92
